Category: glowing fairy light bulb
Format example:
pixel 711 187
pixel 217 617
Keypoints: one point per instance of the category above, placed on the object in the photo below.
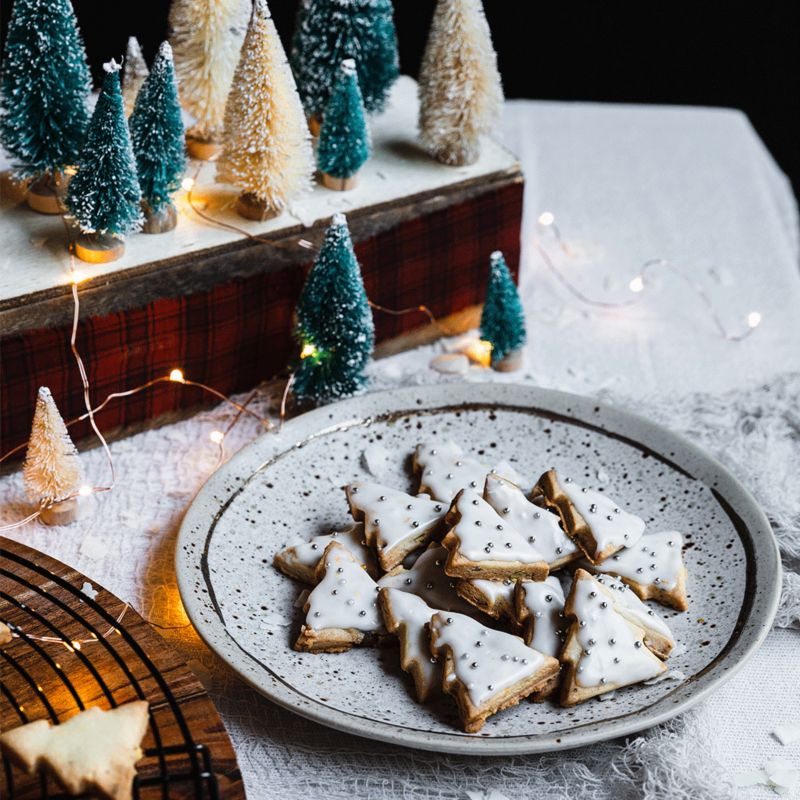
pixel 176 375
pixel 637 284
pixel 547 218
pixel 308 351
pixel 187 184
pixel 85 490
pixel 216 436
pixel 753 319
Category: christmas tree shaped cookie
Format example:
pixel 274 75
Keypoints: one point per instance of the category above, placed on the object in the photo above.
pixel 342 610
pixel 653 568
pixel 495 598
pixel 300 561
pixel 604 651
pixel 93 752
pixel 485 670
pixel 538 525
pixel 395 523
pixel 539 606
pixel 594 521
pixel 407 616
pixel 481 544
pixel 428 580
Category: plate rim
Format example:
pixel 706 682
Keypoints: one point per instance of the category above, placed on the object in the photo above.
pixel 763 559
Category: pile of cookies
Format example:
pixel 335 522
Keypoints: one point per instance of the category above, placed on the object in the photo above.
pixel 479 614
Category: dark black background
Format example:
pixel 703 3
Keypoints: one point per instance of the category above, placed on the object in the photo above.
pixel 705 52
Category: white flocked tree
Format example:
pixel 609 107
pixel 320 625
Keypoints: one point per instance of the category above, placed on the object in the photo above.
pixel 267 150
pixel 206 38
pixel 459 84
pixel 134 72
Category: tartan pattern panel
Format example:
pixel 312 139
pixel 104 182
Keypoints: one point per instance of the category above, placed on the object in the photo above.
pixel 239 332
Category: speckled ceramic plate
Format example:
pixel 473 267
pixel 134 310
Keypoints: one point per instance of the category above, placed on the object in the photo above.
pixel 285 488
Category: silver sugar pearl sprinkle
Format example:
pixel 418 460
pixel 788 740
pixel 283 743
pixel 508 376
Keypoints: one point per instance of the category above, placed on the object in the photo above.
pixel 604 604
pixel 415 524
pixel 637 645
pixel 475 501
pixel 473 484
pixel 478 523
pixel 362 613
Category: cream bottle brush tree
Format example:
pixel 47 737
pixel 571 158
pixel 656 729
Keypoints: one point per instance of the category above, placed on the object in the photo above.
pixel 266 145
pixel 206 38
pixel 459 85
pixel 134 72
pixel 52 470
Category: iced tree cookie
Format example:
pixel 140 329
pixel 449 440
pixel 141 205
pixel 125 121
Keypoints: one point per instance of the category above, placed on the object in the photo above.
pixel 395 523
pixel 342 610
pixel 481 544
pixel 603 650
pixel 428 580
pixel 598 525
pixel 407 616
pixel 495 598
pixel 540 527
pixel 539 607
pixel 653 568
pixel 485 670
pixel 300 561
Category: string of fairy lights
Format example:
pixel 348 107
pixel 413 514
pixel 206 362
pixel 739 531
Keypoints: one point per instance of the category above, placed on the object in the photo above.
pixel 546 224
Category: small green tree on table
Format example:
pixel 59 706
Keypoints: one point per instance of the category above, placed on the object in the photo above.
pixel 334 322
pixel 104 195
pixel 503 318
pixel 45 83
pixel 158 142
pixel 344 142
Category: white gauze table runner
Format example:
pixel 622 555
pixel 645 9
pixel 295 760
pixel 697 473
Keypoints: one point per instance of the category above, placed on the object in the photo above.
pixel 626 184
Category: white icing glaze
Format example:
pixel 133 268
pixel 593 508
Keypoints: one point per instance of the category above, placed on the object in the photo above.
pixel 611 525
pixel 613 651
pixel 540 527
pixel 485 661
pixel 445 470
pixel 414 613
pixel 545 601
pixel 346 597
pixel 484 535
pixel 656 560
pixel 391 517
pixel 632 608
pixel 495 590
pixel 428 580
pixel 309 553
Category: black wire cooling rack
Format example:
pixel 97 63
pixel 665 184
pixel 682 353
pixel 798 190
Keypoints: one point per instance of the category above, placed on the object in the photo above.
pixel 71 651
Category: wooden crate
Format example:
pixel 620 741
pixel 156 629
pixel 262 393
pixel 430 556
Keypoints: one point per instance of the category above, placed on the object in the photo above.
pixel 218 305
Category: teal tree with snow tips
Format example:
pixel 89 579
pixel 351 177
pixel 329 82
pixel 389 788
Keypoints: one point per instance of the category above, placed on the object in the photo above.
pixel 104 195
pixel 43 116
pixel 503 319
pixel 158 142
pixel 334 322
pixel 329 31
pixel 344 143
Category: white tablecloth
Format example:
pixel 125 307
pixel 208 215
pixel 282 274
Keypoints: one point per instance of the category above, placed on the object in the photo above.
pixel 626 184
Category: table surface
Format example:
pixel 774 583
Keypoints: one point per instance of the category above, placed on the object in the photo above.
pixel 626 184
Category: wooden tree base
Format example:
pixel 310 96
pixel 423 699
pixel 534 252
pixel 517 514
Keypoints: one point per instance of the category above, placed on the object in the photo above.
pixel 511 363
pixel 11 190
pixel 44 196
pixel 314 125
pixel 339 184
pixel 161 220
pixel 202 150
pixel 61 513
pixel 251 207
pixel 99 248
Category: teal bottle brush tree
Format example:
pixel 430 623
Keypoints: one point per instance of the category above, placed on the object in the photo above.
pixel 158 143
pixel 334 323
pixel 104 195
pixel 329 31
pixel 344 143
pixel 503 319
pixel 43 114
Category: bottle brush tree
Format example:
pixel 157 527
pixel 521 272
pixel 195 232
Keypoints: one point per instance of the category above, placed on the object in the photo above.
pixel 157 136
pixel 206 37
pixel 460 92
pixel 334 322
pixel 104 195
pixel 45 83
pixel 52 470
pixel 503 319
pixel 266 146
pixel 134 71
pixel 344 142
pixel 329 31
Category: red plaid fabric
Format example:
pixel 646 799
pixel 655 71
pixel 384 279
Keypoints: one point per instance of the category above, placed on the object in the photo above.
pixel 239 333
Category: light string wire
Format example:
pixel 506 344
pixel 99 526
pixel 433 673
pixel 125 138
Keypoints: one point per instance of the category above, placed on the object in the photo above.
pixel 637 285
